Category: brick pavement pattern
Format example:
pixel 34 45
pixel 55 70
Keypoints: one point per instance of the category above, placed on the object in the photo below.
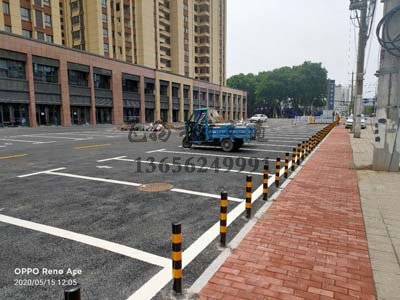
pixel 310 244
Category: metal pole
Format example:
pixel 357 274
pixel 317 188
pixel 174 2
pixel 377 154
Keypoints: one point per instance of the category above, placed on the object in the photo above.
pixel 362 42
pixel 72 292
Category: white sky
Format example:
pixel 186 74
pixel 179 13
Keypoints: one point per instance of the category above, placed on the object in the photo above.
pixel 268 34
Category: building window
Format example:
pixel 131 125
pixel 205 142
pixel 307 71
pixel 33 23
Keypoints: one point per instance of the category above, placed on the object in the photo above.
pixel 47 20
pixel 46 2
pixel 6 8
pixel 25 14
pixel 105 32
pixel 40 36
pixel 45 73
pixel 7 28
pixel 104 3
pixel 78 78
pixel 12 69
pixel 74 5
pixel 149 88
pixel 49 38
pixel 75 20
pixel 106 48
pixel 39 18
pixel 104 17
pixel 129 85
pixel 76 35
pixel 101 81
pixel 38 2
pixel 27 33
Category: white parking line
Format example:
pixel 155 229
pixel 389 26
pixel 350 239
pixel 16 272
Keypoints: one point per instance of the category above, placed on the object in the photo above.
pixel 41 172
pixel 243 148
pixel 182 191
pixel 161 279
pixel 189 166
pixel 108 159
pixel 273 145
pixel 88 240
pixel 154 151
pixel 26 141
pixel 158 281
pixel 87 134
pixel 57 137
pixel 213 155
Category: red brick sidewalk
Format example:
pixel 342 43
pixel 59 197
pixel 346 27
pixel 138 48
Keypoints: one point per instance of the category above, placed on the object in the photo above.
pixel 310 244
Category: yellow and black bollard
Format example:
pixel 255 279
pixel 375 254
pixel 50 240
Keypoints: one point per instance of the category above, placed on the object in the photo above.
pixel 177 257
pixel 223 218
pixel 294 155
pixel 72 292
pixel 265 181
pixel 303 150
pixel 286 164
pixel 277 171
pixel 299 155
pixel 249 191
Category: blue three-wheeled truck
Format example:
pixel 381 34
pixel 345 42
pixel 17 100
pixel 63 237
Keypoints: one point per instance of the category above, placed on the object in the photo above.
pixel 201 130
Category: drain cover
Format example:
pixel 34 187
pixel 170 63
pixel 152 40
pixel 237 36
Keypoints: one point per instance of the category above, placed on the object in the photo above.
pixel 156 187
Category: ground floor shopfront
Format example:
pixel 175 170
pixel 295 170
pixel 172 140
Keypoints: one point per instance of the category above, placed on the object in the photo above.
pixel 44 85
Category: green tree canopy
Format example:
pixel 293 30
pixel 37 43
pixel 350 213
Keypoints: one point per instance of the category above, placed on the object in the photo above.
pixel 300 89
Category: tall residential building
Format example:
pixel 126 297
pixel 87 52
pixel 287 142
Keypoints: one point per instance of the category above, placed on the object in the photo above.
pixel 187 37
pixel 342 99
pixel 38 19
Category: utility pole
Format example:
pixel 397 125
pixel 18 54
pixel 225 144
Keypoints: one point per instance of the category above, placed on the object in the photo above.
pixel 387 132
pixel 362 6
pixel 352 93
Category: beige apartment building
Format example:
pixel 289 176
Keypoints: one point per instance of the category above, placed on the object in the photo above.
pixel 186 37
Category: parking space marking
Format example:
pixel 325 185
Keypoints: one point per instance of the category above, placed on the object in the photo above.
pixel 243 148
pixel 273 145
pixel 55 137
pixel 40 172
pixel 158 281
pixel 205 195
pixel 154 151
pixel 120 182
pixel 108 159
pixel 92 146
pixel 13 156
pixel 191 166
pixel 88 240
pixel 26 141
pixel 87 134
pixel 214 155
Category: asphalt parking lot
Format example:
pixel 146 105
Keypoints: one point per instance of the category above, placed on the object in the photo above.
pixel 84 198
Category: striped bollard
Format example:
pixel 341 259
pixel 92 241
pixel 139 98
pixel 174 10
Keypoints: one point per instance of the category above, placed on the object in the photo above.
pixel 265 181
pixel 249 187
pixel 223 218
pixel 303 150
pixel 286 164
pixel 277 171
pixel 72 292
pixel 299 156
pixel 177 257
pixel 294 155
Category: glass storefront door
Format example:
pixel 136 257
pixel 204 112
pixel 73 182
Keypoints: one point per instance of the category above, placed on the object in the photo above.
pixel 131 115
pixel 103 115
pixel 47 115
pixel 14 114
pixel 80 115
pixel 149 115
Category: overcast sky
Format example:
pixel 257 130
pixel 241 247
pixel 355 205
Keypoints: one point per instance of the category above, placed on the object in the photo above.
pixel 267 34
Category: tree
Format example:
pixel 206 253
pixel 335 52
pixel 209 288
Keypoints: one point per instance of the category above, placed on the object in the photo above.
pixel 285 91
